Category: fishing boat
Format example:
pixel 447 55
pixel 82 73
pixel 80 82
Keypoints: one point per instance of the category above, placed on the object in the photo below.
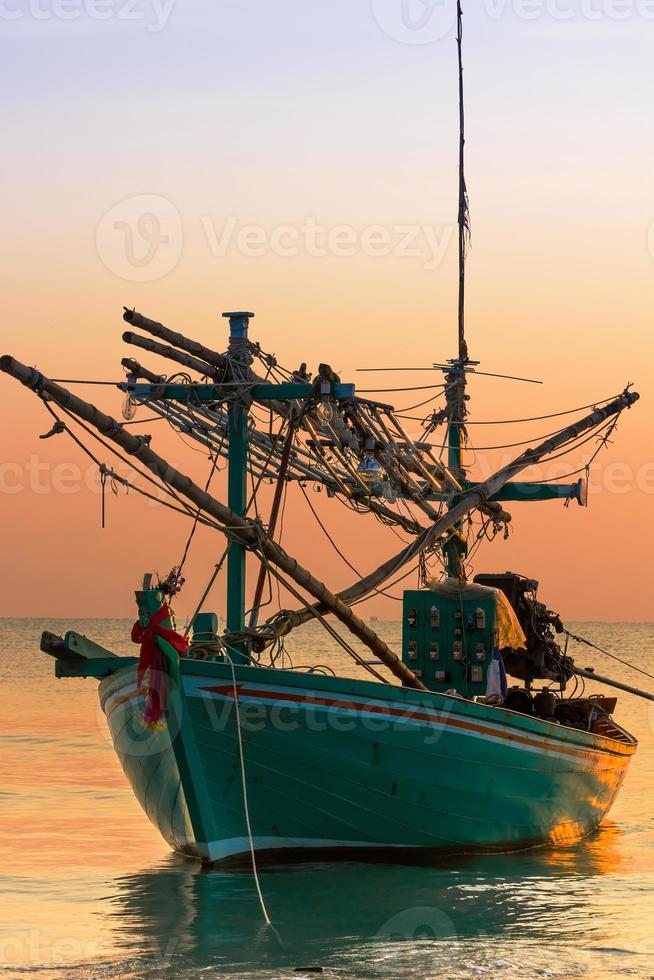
pixel 235 755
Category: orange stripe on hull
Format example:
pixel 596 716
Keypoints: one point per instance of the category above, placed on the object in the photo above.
pixel 227 690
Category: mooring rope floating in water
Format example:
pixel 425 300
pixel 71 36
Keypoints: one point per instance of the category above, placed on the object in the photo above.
pixel 246 807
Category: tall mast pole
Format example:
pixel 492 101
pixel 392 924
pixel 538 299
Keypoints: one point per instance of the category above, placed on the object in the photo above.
pixel 456 380
pixel 237 477
pixel 464 226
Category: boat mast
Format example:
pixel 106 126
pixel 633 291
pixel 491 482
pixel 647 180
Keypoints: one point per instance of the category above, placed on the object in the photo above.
pixel 456 378
pixel 464 225
pixel 240 361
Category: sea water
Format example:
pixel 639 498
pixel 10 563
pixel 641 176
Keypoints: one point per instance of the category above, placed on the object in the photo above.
pixel 88 889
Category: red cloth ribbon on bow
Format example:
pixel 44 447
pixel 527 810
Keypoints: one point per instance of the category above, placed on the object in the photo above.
pixel 154 659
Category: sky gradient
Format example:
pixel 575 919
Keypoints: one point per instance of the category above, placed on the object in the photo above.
pixel 243 127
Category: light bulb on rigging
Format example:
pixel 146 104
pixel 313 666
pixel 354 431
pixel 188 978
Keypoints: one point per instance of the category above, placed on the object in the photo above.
pixel 129 408
pixel 324 408
pixel 369 471
pixel 324 412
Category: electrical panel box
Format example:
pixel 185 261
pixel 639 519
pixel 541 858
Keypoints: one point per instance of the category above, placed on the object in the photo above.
pixel 449 643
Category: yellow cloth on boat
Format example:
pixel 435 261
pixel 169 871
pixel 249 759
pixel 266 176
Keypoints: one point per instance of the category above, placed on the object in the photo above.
pixel 510 634
pixel 509 631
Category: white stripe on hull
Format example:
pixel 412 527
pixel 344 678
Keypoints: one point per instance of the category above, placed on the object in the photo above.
pixel 237 846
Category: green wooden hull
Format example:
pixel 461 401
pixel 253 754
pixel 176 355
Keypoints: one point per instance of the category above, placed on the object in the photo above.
pixel 350 768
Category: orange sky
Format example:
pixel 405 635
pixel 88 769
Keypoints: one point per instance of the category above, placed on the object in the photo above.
pixel 560 276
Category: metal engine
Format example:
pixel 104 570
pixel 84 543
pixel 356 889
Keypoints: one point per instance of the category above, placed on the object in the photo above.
pixel 543 657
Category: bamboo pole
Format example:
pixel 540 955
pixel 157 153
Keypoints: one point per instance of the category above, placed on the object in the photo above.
pixel 176 339
pixel 207 363
pixel 477 497
pixel 186 360
pixel 491 508
pixel 412 527
pixel 215 360
pixel 473 498
pixel 260 444
pixel 590 675
pixel 246 530
pixel 138 371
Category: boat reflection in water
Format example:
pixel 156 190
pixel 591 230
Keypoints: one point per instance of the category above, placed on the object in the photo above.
pixel 194 919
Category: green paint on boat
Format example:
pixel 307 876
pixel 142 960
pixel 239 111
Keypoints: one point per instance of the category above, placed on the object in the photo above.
pixel 352 768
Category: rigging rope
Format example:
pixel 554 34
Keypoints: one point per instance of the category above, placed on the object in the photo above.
pixel 390 391
pixel 543 418
pixel 196 521
pixel 410 408
pixel 335 546
pixel 582 469
pixel 146 476
pixel 514 445
pixel 625 663
pixel 607 426
pixel 154 418
pixel 69 381
pixel 108 472
pixel 328 627
pixel 216 572
pixel 391 585
pixel 219 566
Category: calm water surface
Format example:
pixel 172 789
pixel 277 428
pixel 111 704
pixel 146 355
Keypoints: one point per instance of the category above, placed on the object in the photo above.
pixel 88 889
